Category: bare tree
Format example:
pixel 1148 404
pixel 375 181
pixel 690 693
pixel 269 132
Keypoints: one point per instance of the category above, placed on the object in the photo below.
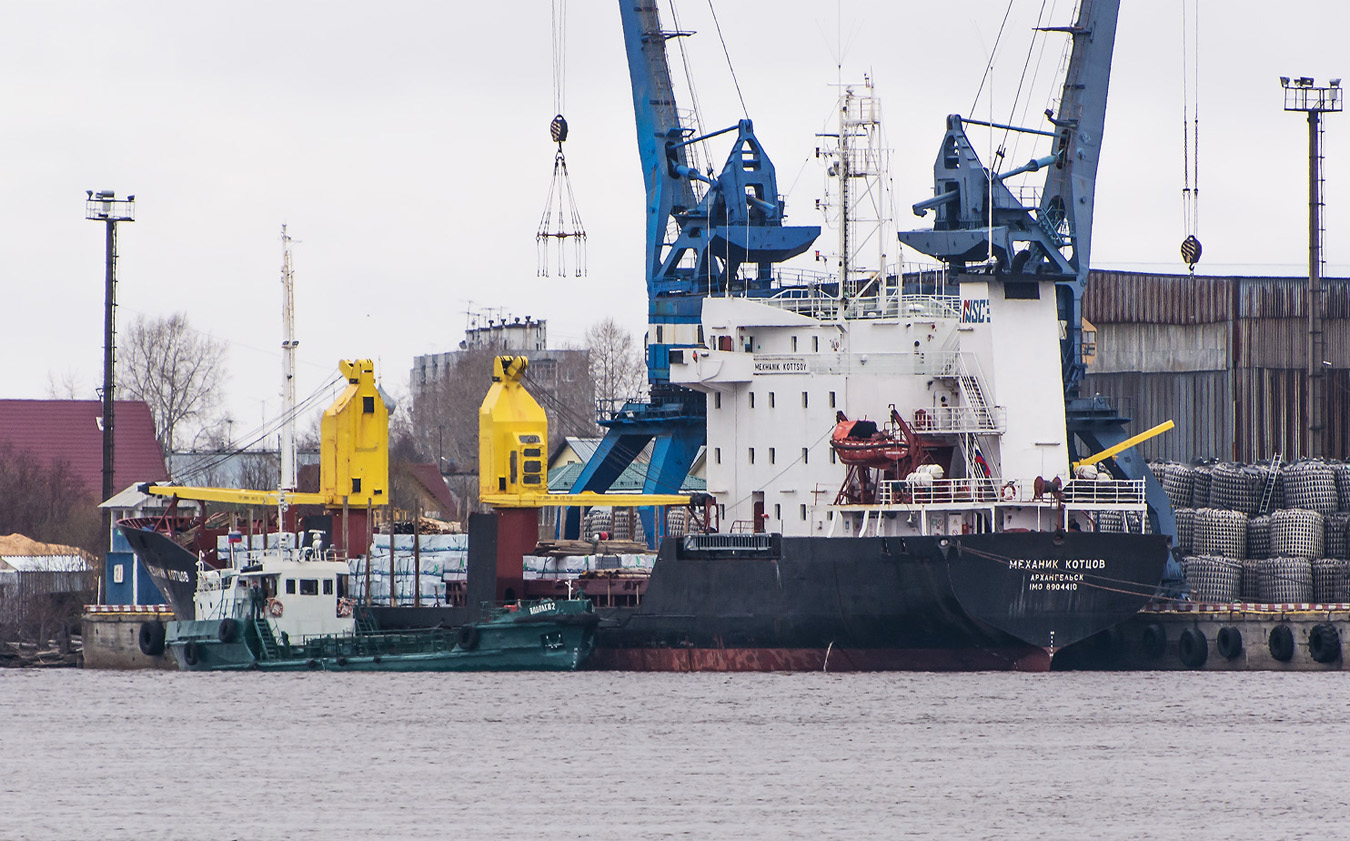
pixel 47 502
pixel 68 385
pixel 176 370
pixel 617 367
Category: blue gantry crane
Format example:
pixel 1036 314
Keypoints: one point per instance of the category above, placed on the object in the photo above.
pixel 707 233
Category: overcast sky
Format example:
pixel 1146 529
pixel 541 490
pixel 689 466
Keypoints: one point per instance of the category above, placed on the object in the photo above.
pixel 406 146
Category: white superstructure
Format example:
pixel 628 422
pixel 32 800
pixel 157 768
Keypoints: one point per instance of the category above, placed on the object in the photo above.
pixel 977 376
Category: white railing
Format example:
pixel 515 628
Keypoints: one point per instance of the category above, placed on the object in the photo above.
pixel 1080 493
pixel 957 419
pixel 1087 492
pixel 939 491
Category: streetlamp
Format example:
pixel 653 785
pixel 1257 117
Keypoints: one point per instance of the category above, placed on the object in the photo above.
pixel 104 206
pixel 1303 94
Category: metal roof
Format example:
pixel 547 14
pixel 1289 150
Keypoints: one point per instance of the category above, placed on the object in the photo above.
pixel 71 431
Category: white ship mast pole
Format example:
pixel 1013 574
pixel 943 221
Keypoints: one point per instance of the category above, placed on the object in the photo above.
pixel 288 346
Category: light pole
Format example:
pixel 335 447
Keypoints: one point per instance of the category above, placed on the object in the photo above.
pixel 1303 94
pixel 105 207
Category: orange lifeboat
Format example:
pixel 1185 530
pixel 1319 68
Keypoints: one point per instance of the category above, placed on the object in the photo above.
pixel 862 443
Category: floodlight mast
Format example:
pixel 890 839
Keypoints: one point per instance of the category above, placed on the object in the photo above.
pixel 104 206
pixel 1302 93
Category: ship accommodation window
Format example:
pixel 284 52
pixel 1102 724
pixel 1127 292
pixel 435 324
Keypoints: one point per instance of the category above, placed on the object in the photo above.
pixel 772 401
pixel 309 586
pixel 752 400
pixel 368 405
pixel 328 586
pixel 717 400
pixel 831 399
pixel 700 334
pixel 815 344
pixel 794 344
pixel 833 457
pixel 804 400
pixel 803 507
pixel 717 455
pixel 805 453
pixel 660 334
pixel 722 511
pixel 290 586
pixel 752 455
pixel 772 456
pixel 777 511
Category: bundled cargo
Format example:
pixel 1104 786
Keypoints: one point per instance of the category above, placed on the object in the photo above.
pixel 1212 579
pixel 1251 579
pixel 1200 481
pixel 1286 581
pixel 1258 537
pixel 1311 485
pixel 1331 580
pixel 1342 474
pixel 1178 483
pixel 1185 519
pixel 1296 532
pixel 1337 535
pixel 1220 532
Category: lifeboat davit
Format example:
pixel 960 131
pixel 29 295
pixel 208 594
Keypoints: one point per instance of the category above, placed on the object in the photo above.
pixel 862 443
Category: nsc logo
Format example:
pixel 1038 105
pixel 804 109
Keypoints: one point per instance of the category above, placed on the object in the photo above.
pixel 975 311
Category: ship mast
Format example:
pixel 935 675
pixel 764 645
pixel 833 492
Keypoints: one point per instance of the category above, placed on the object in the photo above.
pixel 288 346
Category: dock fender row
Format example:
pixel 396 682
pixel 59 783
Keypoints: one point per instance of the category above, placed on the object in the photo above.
pixel 1193 648
pixel 1324 643
pixel 1229 642
pixel 1154 640
pixel 467 637
pixel 1281 643
pixel 150 637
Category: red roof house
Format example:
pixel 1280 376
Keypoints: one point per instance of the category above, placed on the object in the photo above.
pixel 71 431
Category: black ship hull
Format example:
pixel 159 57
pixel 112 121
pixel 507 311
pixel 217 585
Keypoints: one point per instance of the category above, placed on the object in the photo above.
pixel 976 602
pixel 999 601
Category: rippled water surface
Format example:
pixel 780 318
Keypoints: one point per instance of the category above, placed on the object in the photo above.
pixel 142 755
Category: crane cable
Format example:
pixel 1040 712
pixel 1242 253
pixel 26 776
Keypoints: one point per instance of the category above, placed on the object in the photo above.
pixel 1190 131
pixel 560 221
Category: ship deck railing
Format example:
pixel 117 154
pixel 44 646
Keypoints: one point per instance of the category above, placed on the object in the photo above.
pixel 954 420
pixel 1078 494
pixel 822 305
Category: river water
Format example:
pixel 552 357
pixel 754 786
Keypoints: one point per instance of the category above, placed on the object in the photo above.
pixel 151 755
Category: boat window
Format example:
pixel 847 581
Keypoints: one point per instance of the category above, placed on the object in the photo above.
pixel 805 452
pixel 794 344
pixel 772 456
pixel 328 586
pixel 772 401
pixel 831 399
pixel 805 400
pixel 290 586
pixel 752 400
pixel 309 586
pixel 777 511
pixel 803 506
pixel 815 344
pixel 717 455
pixel 717 400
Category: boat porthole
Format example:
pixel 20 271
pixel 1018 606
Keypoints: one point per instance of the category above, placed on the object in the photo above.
pixel 1193 648
pixel 1324 643
pixel 1154 641
pixel 1281 643
pixel 1229 642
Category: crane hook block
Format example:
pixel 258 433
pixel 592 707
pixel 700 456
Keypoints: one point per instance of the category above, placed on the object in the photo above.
pixel 558 129
pixel 1191 251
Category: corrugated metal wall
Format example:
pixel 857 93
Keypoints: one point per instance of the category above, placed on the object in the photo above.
pixel 1240 395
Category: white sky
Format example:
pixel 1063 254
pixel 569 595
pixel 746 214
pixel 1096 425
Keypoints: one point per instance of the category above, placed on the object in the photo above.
pixel 406 146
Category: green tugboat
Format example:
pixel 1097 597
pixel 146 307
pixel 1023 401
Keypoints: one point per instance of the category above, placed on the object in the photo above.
pixel 288 610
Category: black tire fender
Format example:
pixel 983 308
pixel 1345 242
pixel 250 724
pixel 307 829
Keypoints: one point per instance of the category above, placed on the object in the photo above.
pixel 1324 643
pixel 467 637
pixel 1193 648
pixel 1281 643
pixel 1229 643
pixel 150 638
pixel 228 630
pixel 192 653
pixel 1154 641
pixel 312 663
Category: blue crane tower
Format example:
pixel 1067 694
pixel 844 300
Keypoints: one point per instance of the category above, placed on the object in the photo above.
pixel 979 220
pixel 724 242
